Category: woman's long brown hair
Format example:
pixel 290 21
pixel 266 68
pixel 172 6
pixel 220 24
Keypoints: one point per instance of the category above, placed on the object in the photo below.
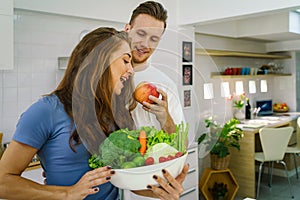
pixel 86 94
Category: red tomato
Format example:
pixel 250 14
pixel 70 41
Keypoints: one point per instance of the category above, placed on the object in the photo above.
pixel 149 161
pixel 170 157
pixel 178 154
pixel 162 159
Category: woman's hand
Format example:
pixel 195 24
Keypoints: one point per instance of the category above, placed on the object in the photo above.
pixel 171 188
pixel 88 183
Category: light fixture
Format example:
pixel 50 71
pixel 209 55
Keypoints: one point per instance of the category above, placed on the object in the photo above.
pixel 239 87
pixel 263 86
pixel 225 90
pixel 252 87
pixel 208 91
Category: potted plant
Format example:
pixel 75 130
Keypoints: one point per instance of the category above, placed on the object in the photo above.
pixel 220 139
pixel 218 191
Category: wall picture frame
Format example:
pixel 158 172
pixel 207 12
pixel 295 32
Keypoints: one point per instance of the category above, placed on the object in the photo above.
pixel 187 74
pixel 187 51
pixel 187 99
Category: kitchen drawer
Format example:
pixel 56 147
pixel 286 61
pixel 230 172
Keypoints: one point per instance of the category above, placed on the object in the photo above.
pixel 191 179
pixel 191 194
pixel 192 158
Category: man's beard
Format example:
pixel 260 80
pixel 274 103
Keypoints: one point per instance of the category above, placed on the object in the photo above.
pixel 139 59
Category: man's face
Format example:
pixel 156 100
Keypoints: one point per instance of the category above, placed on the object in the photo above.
pixel 145 33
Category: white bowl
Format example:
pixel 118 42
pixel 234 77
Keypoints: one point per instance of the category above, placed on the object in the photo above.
pixel 139 177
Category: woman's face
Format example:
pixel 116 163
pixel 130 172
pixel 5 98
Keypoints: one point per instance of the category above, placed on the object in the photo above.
pixel 121 68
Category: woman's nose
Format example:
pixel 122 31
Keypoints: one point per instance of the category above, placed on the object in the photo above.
pixel 130 70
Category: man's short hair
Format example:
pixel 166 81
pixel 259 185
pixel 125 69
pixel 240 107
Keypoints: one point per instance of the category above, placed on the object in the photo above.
pixel 151 8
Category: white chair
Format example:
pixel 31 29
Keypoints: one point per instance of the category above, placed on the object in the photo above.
pixel 274 142
pixel 295 149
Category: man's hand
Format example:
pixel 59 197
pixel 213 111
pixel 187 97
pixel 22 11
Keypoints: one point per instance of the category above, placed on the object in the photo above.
pixel 160 110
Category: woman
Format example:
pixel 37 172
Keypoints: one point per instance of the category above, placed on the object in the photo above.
pixel 47 127
pixel 97 79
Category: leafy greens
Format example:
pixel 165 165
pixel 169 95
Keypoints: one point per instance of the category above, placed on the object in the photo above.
pixel 123 145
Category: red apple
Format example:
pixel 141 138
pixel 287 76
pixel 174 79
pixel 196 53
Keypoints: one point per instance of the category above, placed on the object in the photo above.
pixel 143 90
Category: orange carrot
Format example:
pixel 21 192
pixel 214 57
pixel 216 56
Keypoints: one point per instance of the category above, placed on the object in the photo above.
pixel 143 142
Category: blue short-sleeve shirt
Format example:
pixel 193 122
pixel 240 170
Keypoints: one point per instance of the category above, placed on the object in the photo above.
pixel 46 126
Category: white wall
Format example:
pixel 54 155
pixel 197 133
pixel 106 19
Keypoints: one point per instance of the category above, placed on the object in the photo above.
pixel 39 40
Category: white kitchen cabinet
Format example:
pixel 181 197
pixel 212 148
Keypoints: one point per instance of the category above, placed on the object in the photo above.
pixel 190 184
pixel 6 41
pixel 190 194
pixel 6 7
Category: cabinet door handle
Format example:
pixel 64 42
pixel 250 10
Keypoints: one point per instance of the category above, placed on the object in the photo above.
pixel 188 192
pixel 191 170
pixel 191 151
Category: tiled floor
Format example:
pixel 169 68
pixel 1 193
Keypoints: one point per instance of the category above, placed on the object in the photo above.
pixel 280 189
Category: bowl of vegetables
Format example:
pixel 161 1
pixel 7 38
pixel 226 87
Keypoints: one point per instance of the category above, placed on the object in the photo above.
pixel 138 178
pixel 137 155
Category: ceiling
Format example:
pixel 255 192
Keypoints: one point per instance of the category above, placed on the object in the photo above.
pixel 265 27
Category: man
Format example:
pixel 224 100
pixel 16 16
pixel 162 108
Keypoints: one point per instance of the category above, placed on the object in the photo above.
pixel 146 27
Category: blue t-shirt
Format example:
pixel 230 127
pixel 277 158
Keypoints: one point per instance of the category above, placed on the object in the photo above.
pixel 46 126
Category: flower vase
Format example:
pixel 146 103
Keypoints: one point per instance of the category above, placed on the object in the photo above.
pixel 239 114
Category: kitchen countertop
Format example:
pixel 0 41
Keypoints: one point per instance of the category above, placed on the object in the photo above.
pixel 275 120
pixel 242 163
pixel 33 165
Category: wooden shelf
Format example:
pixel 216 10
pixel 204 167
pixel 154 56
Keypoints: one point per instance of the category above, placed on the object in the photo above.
pixel 220 75
pixel 210 176
pixel 223 53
